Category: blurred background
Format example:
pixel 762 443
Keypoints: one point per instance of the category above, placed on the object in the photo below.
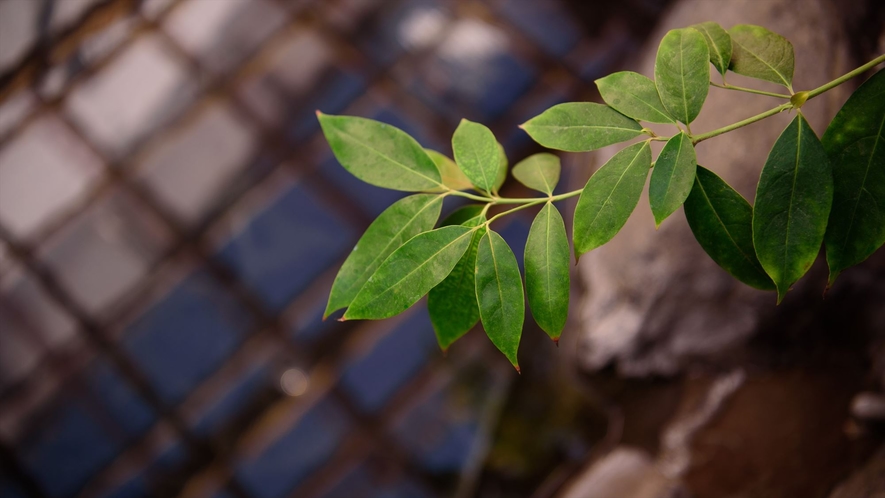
pixel 171 221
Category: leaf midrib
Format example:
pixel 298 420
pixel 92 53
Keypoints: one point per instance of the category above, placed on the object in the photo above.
pixel 792 196
pixel 863 183
pixel 617 184
pixel 715 45
pixel 412 272
pixel 778 73
pixel 753 261
pixel 388 158
pixel 673 171
pixel 403 229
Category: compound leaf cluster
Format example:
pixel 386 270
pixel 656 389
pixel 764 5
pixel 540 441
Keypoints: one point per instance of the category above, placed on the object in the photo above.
pixel 811 192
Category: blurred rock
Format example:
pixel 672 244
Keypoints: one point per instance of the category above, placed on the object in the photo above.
pixel 624 472
pixel 868 407
pixel 868 482
pixel 656 302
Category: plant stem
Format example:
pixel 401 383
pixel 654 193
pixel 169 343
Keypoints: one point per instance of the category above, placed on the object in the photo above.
pixel 741 124
pixel 847 76
pixel 726 86
pixel 473 197
pixel 523 203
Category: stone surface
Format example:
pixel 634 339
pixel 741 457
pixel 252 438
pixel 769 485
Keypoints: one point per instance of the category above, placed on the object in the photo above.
pixel 626 472
pixel 655 300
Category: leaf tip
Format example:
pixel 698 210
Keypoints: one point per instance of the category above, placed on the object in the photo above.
pixel 831 280
pixel 516 366
pixel 555 341
pixel 342 319
pixel 780 296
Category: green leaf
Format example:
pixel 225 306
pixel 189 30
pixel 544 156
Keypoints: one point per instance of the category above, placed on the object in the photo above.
pixel 499 294
pixel 682 73
pixel 762 54
pixel 610 196
pixel 539 172
pixel 635 96
pixel 672 177
pixel 547 271
pixel 379 154
pixel 462 214
pixel 581 126
pixel 477 154
pixel 451 174
pixel 722 222
pixel 502 168
pixel 855 144
pixel 400 222
pixel 793 201
pixel 452 304
pixel 718 43
pixel 410 272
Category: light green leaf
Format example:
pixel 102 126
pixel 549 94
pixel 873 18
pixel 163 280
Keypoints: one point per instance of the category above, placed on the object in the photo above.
pixel 379 154
pixel 539 172
pixel 462 214
pixel 502 169
pixel 722 222
pixel 855 144
pixel 410 272
pixel 547 271
pixel 610 196
pixel 452 304
pixel 400 222
pixel 682 73
pixel 762 54
pixel 499 294
pixel 718 43
pixel 581 126
pixel 672 177
pixel 634 95
pixel 477 154
pixel 451 174
pixel 793 201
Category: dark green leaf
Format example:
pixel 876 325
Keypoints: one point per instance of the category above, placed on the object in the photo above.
pixel 499 294
pixel 792 205
pixel 762 54
pixel 672 177
pixel 477 154
pixel 547 271
pixel 410 272
pixel 718 43
pixel 634 95
pixel 722 221
pixel 581 126
pixel 451 174
pixel 610 196
pixel 538 171
pixel 452 304
pixel 461 215
pixel 682 73
pixel 397 224
pixel 855 144
pixel 379 153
